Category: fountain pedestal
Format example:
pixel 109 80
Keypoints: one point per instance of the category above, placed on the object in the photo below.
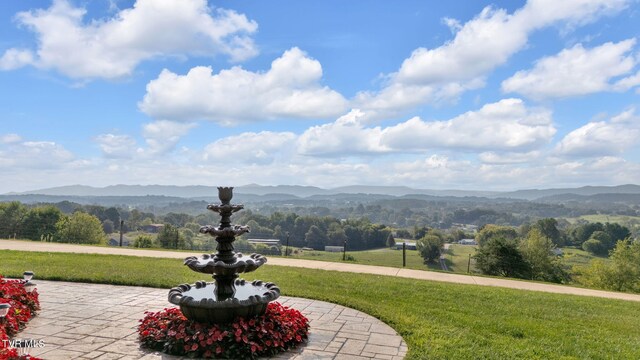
pixel 228 296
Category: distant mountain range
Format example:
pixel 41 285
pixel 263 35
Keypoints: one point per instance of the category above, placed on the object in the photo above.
pixel 302 192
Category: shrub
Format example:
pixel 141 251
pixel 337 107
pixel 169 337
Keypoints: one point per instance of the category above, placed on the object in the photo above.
pixel 23 307
pixel 594 246
pixel 143 241
pixel 429 247
pixel 278 330
pixel 500 256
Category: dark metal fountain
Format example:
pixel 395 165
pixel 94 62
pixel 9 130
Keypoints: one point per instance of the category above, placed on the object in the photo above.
pixel 221 301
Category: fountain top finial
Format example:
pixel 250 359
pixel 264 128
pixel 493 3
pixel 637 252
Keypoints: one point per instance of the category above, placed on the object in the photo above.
pixel 225 194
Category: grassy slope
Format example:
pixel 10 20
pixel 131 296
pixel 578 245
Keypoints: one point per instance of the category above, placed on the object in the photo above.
pixel 379 257
pixel 438 320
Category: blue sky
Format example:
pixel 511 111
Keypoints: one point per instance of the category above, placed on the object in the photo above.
pixel 445 95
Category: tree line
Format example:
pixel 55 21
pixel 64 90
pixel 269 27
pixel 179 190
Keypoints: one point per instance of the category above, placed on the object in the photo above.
pixel 61 223
pixel 528 252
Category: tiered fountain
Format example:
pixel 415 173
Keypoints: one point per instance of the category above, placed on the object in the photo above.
pixel 228 296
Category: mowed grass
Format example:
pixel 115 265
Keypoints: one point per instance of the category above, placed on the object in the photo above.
pixel 379 257
pixel 603 218
pixel 437 320
pixel 457 257
pixel 578 257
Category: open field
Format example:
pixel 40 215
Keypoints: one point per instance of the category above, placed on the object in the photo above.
pixel 438 320
pixel 621 219
pixel 378 257
pixel 578 257
pixel 457 257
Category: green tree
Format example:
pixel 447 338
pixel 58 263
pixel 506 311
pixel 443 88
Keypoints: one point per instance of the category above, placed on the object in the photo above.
pixel 582 232
pixel 537 250
pixel 336 235
pixel 391 241
pixel 11 219
pixel 195 227
pixel 500 256
pixel 429 247
pixel 315 238
pixel 133 222
pixel 616 232
pixel 112 214
pixel 40 223
pixel 598 244
pixel 169 237
pixel 420 232
pixel 549 228
pixel 186 238
pixel 108 227
pixel 622 273
pixel 143 241
pixel 178 220
pixel 491 231
pixel 80 228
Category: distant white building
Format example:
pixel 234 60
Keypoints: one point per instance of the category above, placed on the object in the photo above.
pixel 467 242
pixel 557 252
pixel 409 245
pixel 334 248
pixel 268 242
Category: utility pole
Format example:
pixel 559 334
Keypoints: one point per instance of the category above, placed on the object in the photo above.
pixel 469 264
pixel 286 249
pixel 344 250
pixel 121 224
pixel 404 254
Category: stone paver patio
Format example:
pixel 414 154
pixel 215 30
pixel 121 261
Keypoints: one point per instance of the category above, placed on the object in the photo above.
pixel 91 321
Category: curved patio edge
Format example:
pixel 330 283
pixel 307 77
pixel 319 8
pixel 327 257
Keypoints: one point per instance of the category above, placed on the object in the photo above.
pixel 96 321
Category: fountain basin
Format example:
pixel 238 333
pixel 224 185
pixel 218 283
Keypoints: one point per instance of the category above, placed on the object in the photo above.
pixel 210 264
pixel 198 302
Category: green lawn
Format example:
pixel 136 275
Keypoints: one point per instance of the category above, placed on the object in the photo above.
pixel 458 258
pixel 579 257
pixel 437 320
pixel 603 218
pixel 378 257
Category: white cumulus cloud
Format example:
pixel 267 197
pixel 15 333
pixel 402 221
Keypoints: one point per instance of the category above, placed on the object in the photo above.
pixel 163 135
pixel 347 136
pixel 289 89
pixel 577 71
pixel 112 48
pixel 479 46
pixel 116 146
pixel 251 147
pixel 34 155
pixel 10 138
pixel 505 126
pixel 602 138
pixel 15 58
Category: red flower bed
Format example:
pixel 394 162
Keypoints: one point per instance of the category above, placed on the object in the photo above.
pixel 23 308
pixel 278 330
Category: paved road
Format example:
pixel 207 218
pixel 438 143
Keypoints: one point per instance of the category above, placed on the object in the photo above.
pixel 334 266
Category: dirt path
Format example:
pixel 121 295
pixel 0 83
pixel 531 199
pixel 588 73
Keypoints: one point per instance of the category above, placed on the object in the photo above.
pixel 334 266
